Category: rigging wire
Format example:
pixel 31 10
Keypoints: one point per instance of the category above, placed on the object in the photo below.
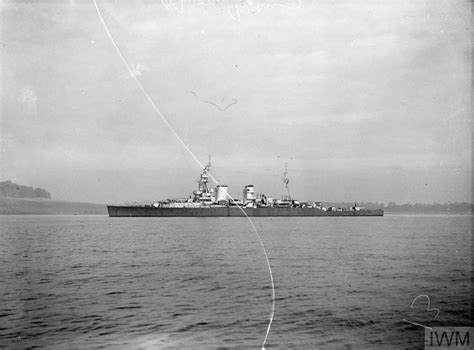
pixel 175 134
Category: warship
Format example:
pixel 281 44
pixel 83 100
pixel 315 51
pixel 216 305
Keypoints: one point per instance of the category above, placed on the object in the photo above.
pixel 208 201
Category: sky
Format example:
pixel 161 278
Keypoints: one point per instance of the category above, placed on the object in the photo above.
pixel 364 100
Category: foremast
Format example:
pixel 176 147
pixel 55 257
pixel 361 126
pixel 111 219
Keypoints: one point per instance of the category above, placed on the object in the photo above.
pixel 204 194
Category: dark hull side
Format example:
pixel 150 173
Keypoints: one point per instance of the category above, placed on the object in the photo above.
pixel 141 211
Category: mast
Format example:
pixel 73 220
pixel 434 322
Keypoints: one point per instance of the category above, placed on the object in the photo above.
pixel 204 177
pixel 286 181
pixel 204 192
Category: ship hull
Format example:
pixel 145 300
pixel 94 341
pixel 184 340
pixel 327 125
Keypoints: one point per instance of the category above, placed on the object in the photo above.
pixel 148 211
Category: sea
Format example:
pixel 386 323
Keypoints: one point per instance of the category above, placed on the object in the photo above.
pixel 94 282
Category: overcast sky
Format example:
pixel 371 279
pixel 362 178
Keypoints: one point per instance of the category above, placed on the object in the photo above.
pixel 365 100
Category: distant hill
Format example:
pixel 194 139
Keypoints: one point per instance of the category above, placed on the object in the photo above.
pixel 47 206
pixel 11 189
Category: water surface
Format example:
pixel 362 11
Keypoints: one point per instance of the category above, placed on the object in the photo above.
pixel 203 283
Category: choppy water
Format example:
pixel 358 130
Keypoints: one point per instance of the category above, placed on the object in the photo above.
pixel 202 283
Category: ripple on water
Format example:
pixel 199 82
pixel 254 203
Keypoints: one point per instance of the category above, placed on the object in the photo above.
pixel 91 281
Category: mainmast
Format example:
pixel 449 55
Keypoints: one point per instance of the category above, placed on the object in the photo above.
pixel 286 181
